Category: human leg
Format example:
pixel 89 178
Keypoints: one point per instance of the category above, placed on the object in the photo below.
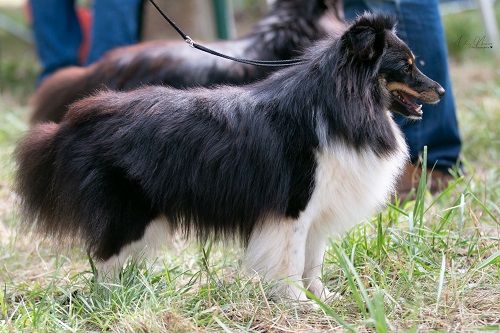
pixel 57 34
pixel 115 23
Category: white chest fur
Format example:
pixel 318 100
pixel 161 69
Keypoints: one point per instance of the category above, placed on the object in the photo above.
pixel 349 187
pixel 352 185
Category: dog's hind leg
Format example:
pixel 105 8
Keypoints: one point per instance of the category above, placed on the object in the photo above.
pixel 124 222
pixel 156 235
pixel 276 251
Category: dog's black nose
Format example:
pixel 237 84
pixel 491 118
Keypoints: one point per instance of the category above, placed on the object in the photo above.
pixel 440 90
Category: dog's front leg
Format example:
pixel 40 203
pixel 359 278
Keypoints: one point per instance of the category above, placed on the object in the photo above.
pixel 276 251
pixel 315 251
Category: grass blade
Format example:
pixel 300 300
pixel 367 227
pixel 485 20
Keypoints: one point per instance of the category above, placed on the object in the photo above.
pixel 375 306
pixel 441 280
pixel 493 259
pixel 330 312
pixel 222 325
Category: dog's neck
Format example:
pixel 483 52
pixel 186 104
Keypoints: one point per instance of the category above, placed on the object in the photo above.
pixel 331 93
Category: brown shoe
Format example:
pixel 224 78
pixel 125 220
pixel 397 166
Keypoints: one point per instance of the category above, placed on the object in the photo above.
pixel 406 188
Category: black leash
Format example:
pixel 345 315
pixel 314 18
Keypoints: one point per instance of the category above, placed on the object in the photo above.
pixel 193 44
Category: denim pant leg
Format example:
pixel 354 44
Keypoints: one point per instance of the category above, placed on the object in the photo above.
pixel 419 25
pixel 57 34
pixel 116 23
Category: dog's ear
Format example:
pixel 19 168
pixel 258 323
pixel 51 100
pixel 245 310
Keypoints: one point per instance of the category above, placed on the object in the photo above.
pixel 366 43
pixel 366 36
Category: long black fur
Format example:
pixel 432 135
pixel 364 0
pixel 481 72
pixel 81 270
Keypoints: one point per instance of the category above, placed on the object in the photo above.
pixel 213 162
pixel 284 33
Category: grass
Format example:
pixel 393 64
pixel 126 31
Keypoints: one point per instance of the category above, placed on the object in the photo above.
pixel 429 264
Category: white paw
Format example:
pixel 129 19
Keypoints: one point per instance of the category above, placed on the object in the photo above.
pixel 295 295
pixel 309 305
pixel 319 290
pixel 288 292
pixel 108 271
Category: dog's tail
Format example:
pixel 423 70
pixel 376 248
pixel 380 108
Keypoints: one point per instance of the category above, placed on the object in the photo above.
pixel 35 157
pixel 58 91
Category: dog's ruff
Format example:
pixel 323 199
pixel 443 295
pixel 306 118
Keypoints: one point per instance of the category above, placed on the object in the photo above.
pixel 281 164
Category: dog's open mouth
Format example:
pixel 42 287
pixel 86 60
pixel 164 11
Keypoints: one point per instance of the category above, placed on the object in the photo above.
pixel 414 109
pixel 407 97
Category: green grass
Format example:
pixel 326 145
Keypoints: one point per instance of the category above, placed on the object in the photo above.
pixel 429 264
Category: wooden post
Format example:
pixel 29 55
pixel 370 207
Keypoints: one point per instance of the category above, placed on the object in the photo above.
pixel 490 23
pixel 224 17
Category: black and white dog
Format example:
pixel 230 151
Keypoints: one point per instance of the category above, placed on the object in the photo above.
pixel 280 164
pixel 284 33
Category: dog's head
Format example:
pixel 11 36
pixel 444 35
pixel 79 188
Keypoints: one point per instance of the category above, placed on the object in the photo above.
pixel 373 43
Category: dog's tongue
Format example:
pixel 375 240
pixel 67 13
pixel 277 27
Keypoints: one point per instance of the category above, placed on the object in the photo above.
pixel 407 99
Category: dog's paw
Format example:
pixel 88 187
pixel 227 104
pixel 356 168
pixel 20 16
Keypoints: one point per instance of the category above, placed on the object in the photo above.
pixel 308 306
pixel 288 293
pixel 319 290
pixel 294 293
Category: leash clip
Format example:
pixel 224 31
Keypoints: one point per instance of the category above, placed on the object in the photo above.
pixel 189 41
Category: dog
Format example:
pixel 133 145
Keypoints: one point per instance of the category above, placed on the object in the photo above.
pixel 289 27
pixel 279 165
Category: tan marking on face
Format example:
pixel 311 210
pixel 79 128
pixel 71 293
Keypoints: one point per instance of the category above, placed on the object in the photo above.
pixel 402 87
pixel 429 97
pixel 411 58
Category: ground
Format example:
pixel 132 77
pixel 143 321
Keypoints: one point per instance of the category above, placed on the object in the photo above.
pixel 428 264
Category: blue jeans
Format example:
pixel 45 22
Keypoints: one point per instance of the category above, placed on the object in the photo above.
pixel 419 25
pixel 58 34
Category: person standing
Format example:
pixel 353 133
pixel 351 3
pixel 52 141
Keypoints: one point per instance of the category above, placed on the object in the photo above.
pixel 58 33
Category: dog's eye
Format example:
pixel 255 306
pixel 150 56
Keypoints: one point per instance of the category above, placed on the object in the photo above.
pixel 407 69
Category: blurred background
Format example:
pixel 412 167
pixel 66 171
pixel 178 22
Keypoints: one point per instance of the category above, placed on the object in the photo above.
pixel 219 19
pixel 465 20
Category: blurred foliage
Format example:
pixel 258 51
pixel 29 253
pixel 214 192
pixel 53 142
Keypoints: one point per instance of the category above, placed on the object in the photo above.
pixel 466 26
pixel 18 63
pixel 251 5
pixel 246 13
pixel 18 66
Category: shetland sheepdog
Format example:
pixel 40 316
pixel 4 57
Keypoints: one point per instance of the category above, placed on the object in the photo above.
pixel 279 165
pixel 288 28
